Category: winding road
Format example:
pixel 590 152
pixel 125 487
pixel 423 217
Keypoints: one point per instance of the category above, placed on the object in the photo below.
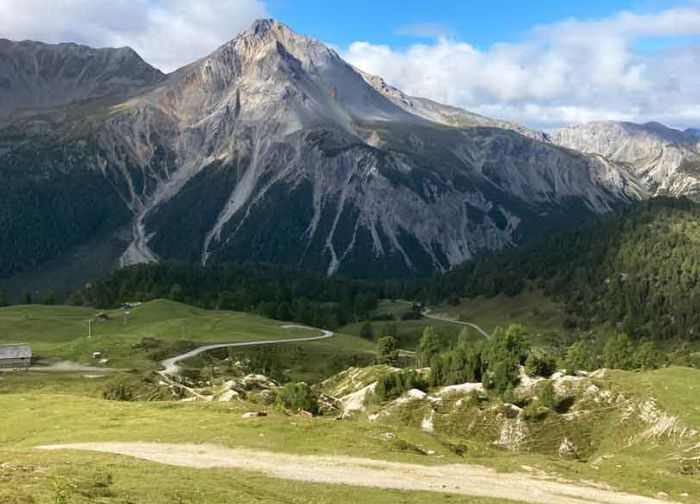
pixel 170 366
pixel 426 314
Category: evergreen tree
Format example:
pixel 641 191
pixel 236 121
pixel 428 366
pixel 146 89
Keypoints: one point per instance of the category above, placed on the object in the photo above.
pixel 50 300
pixel 578 357
pixel 25 298
pixel 429 346
pixel 387 351
pixel 646 356
pixel 619 353
pixel 4 299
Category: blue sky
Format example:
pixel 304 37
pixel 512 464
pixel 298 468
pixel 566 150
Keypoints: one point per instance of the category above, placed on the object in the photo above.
pixel 481 23
pixel 544 63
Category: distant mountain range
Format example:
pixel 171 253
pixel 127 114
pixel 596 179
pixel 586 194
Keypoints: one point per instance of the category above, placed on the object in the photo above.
pixel 274 149
pixel 665 160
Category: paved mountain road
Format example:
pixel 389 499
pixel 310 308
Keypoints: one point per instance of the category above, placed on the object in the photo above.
pixel 170 366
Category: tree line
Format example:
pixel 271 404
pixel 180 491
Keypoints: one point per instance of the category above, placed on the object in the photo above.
pixel 272 291
pixel 637 268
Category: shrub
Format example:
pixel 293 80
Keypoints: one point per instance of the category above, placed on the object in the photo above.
pixel 619 352
pixel 540 364
pixel 118 392
pixel 579 357
pixel 392 385
pixel 547 396
pixel 505 374
pixel 298 396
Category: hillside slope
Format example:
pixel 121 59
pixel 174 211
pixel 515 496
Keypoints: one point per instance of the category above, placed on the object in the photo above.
pixel 637 268
pixel 33 74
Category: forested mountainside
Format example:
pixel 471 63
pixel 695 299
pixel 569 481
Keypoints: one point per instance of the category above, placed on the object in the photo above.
pixel 638 267
pixel 274 149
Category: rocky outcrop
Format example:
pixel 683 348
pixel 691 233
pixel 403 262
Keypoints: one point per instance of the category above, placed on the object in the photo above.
pixel 665 159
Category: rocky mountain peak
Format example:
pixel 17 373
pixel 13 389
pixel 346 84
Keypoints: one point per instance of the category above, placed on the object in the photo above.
pixel 34 74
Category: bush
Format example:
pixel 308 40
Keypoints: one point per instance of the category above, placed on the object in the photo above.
pixel 646 356
pixel 392 385
pixel 579 357
pixel 540 364
pixel 118 392
pixel 298 396
pixel 547 396
pixel 619 353
pixel 505 374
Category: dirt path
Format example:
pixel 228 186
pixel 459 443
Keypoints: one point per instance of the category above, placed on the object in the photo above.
pixel 67 366
pixel 458 479
pixel 170 366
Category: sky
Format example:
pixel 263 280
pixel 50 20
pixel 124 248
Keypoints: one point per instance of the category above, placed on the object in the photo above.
pixel 545 63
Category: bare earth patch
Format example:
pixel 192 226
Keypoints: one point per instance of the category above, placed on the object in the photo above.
pixel 454 479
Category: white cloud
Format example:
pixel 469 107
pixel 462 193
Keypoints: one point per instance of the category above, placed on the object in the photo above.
pixel 563 73
pixel 167 33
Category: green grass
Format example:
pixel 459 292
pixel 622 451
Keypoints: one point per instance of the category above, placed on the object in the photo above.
pixel 675 389
pixel 540 315
pixel 61 332
pixel 530 309
pixel 409 332
pixel 314 361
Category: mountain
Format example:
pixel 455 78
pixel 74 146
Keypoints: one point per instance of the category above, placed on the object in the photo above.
pixel 636 268
pixel 274 149
pixel 665 159
pixel 33 74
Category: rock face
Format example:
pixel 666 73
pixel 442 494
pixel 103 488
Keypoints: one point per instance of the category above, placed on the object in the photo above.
pixel 33 74
pixel 274 149
pixel 665 159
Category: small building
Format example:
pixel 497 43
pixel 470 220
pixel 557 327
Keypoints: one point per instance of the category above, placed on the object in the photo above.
pixel 15 357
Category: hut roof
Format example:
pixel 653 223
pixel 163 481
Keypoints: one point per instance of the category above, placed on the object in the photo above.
pixel 20 351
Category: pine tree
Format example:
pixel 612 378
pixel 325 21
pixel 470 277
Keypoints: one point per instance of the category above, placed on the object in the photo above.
pixel 387 351
pixel 25 298
pixel 619 352
pixel 50 300
pixel 578 357
pixel 429 346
